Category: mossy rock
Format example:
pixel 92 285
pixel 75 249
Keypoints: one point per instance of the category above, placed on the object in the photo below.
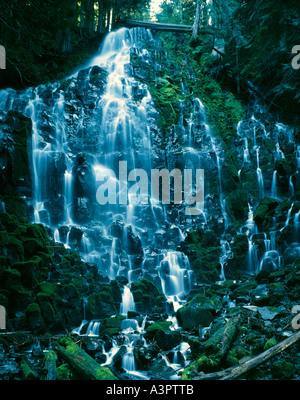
pixel 203 250
pixel 265 210
pixel 167 339
pixel 3 300
pixel 101 305
pixel 205 364
pixel 15 249
pixel 3 239
pixel 112 322
pixel 12 279
pixel 4 263
pixel 21 131
pixel 29 271
pixel 236 354
pixel 49 288
pixel 282 369
pixel 245 288
pixel 64 373
pixel 237 206
pixel 146 296
pixel 159 325
pixel 34 318
pixel 52 318
pixel 198 311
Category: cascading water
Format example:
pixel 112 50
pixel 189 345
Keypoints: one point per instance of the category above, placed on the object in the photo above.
pixel 120 132
pixel 77 147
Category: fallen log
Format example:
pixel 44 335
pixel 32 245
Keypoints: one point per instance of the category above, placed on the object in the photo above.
pixel 236 372
pixel 81 362
pixel 158 26
pixel 26 370
pixel 50 365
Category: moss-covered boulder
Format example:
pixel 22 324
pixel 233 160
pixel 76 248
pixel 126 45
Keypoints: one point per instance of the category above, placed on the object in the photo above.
pixel 198 311
pixel 34 318
pixel 263 214
pixel 203 250
pixel 14 153
pixel 147 297
pixel 29 271
pixel 101 305
pixel 237 264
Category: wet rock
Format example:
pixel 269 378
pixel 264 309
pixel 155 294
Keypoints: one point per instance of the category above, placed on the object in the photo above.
pixel 82 210
pixel 134 244
pixel 167 340
pixel 117 229
pixel 198 311
pixel 159 369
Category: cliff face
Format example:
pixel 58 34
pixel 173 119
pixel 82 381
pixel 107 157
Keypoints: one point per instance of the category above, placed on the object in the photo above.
pixel 69 262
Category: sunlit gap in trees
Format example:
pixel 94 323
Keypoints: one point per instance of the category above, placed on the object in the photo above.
pixel 155 8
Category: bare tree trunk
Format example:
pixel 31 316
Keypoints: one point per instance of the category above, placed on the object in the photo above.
pixel 66 43
pixel 237 66
pixel 89 16
pixel 180 11
pixel 197 19
pixel 82 14
pixel 100 17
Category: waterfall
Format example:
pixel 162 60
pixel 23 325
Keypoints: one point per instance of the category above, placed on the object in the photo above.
pixel 127 301
pixel 274 185
pixel 246 152
pixel 260 178
pixel 175 275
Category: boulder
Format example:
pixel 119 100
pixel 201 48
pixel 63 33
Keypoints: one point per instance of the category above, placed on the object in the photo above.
pixel 198 311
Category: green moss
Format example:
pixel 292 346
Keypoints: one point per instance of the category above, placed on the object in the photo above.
pixel 270 343
pixel 64 373
pixel 34 317
pixel 110 332
pixel 26 370
pixel 244 289
pixel 204 255
pixel 73 350
pixel 282 369
pixel 48 288
pixel 235 354
pixel 160 325
pixel 12 279
pixel 189 372
pixel 205 364
pixel 51 356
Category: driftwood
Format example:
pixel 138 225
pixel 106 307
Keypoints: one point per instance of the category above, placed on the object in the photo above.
pixel 236 372
pixel 81 362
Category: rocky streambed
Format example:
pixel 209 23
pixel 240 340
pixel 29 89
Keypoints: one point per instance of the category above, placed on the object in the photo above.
pixel 222 325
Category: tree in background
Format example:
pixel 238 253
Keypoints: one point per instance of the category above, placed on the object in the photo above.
pixel 46 39
pixel 254 39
